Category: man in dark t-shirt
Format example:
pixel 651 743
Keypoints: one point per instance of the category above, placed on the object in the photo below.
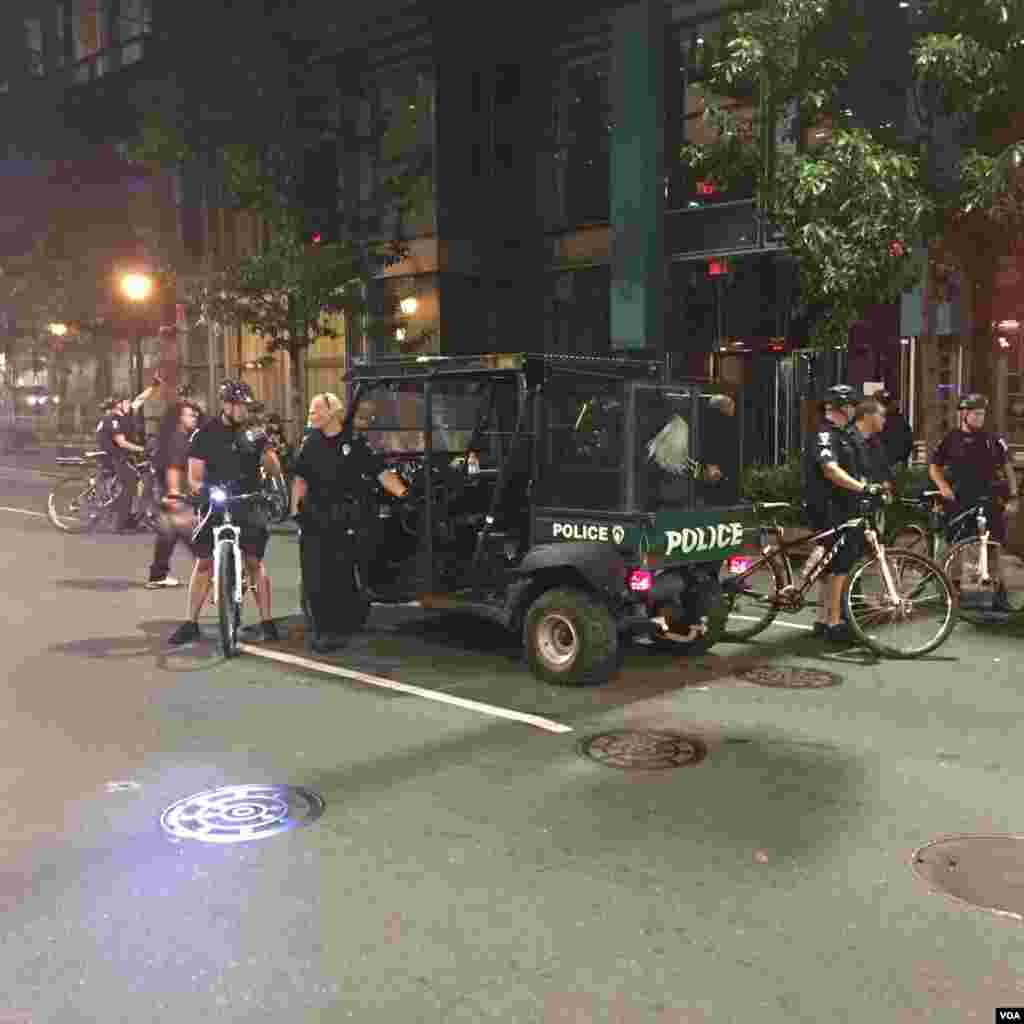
pixel 171 462
pixel 970 464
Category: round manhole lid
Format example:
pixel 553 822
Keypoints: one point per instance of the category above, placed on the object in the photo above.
pixel 643 749
pixel 985 871
pixel 793 677
pixel 238 814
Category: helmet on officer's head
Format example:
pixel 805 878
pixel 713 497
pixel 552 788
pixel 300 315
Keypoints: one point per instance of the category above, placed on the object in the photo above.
pixel 841 394
pixel 969 403
pixel 236 392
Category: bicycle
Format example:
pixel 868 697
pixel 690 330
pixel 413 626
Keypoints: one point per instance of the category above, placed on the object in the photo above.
pixel 230 578
pixel 885 590
pixel 971 559
pixel 79 503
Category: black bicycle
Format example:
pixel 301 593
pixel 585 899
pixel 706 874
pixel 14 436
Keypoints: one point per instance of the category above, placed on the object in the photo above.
pixel 79 503
pixel 898 603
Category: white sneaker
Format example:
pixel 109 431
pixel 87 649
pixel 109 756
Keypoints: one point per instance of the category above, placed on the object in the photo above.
pixel 167 581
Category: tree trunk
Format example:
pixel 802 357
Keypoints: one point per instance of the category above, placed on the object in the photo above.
pixel 296 363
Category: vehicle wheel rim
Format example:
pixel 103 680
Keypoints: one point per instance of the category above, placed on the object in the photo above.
pixel 557 641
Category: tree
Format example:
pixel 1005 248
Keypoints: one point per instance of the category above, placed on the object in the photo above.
pixel 854 210
pixel 290 288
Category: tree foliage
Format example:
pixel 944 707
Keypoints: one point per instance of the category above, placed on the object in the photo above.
pixel 853 210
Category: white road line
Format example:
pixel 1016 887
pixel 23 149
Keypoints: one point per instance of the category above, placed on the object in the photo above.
pixel 390 684
pixel 23 511
pixel 776 622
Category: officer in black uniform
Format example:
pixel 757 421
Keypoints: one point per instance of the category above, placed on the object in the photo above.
pixel 335 480
pixel 828 444
pixel 843 467
pixel 226 453
pixel 114 436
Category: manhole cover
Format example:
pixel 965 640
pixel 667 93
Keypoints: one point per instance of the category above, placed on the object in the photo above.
pixel 643 749
pixel 984 871
pixel 790 677
pixel 237 814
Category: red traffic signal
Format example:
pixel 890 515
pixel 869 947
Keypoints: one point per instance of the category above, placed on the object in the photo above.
pixel 706 188
pixel 316 238
pixel 718 268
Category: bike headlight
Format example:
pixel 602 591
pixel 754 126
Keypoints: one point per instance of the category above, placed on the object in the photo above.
pixel 218 496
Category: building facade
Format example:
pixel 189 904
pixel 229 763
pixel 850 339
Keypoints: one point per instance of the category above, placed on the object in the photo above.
pixel 554 212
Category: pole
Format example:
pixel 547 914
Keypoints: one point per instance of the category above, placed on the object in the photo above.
pixel 137 358
pixel 211 345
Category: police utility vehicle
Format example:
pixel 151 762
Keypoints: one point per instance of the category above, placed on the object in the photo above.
pixel 560 496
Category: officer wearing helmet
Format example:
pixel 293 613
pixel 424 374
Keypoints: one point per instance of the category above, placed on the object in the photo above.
pixel 117 434
pixel 969 464
pixel 833 471
pixel 227 452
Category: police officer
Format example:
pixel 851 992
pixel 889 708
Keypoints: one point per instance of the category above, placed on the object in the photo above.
pixel 335 478
pixel 830 460
pixel 971 463
pixel 114 436
pixel 226 452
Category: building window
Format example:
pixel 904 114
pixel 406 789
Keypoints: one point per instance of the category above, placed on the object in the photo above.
pixel 134 22
pixel 1015 393
pixel 36 55
pixel 700 46
pixel 60 57
pixel 582 137
pixel 91 35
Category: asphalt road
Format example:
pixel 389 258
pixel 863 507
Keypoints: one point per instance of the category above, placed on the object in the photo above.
pixel 470 867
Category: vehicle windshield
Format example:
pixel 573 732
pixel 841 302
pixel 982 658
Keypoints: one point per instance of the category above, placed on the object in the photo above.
pixel 392 417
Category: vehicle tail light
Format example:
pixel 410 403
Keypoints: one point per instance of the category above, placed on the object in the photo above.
pixel 739 564
pixel 640 580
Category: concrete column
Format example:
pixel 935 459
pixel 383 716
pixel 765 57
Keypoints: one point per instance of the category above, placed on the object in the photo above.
pixel 637 175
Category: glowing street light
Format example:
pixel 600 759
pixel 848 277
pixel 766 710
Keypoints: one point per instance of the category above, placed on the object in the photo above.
pixel 137 287
pixel 409 305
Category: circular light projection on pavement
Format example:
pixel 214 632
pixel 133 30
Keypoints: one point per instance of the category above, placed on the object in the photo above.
pixel 240 814
pixel 643 750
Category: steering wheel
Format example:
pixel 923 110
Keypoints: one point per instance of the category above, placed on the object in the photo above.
pixel 447 485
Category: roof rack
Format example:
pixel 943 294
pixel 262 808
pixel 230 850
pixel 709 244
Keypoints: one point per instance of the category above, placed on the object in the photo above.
pixel 429 365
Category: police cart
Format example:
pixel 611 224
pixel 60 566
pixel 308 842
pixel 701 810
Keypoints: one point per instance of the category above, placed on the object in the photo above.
pixel 558 496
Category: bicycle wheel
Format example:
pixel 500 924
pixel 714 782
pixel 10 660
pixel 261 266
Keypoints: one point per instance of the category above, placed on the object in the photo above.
pixel 749 596
pixel 228 611
pixel 75 506
pixel 981 602
pixel 921 618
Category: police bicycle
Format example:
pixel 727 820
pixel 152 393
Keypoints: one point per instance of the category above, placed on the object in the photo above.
pixel 976 564
pixel 79 503
pixel 231 580
pixel 898 603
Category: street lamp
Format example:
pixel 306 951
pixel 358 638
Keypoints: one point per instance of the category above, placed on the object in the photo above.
pixel 137 288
